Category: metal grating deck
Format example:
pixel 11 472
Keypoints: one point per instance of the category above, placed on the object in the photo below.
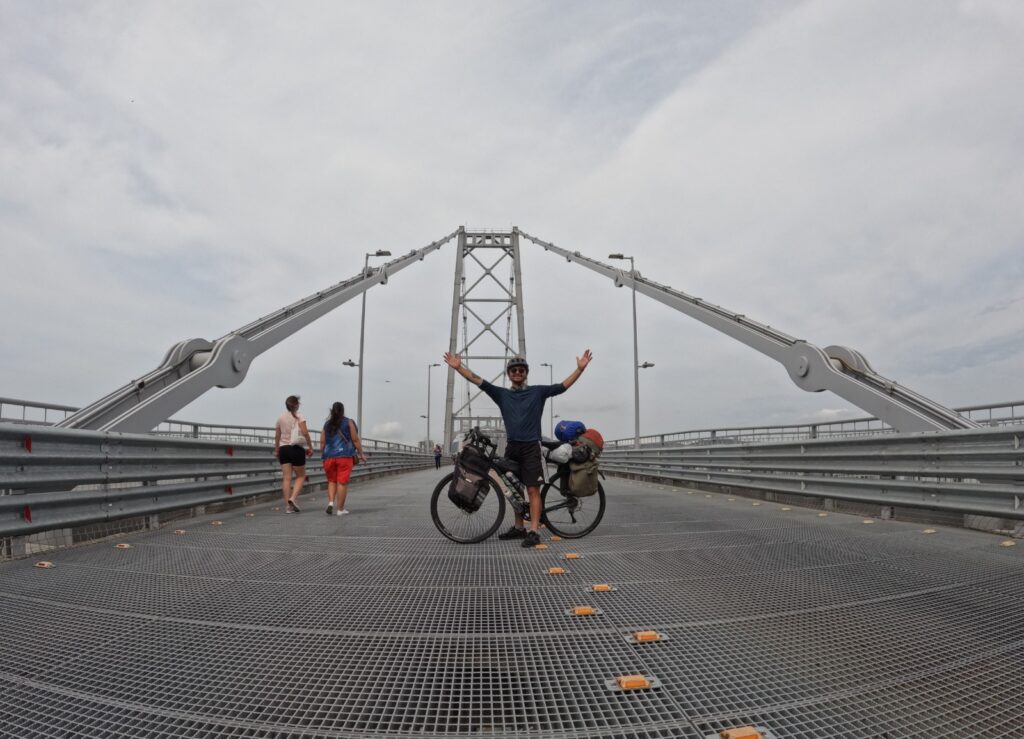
pixel 373 625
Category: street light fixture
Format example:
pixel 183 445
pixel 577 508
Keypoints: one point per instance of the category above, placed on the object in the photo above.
pixel 362 333
pixel 429 368
pixel 551 400
pixel 636 354
pixel 645 365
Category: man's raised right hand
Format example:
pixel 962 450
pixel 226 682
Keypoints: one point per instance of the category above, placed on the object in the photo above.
pixel 453 360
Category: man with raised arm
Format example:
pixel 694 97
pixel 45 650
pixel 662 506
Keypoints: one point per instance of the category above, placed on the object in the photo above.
pixel 522 407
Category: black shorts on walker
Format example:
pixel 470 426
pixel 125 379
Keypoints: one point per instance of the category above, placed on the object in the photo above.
pixel 531 461
pixel 293 454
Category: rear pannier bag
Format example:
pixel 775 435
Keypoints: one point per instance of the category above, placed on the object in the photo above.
pixel 583 478
pixel 469 484
pixel 583 469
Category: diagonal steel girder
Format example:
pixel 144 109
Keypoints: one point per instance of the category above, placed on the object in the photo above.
pixel 839 369
pixel 192 367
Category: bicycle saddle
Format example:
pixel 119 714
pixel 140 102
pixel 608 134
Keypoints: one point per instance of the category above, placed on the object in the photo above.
pixel 506 465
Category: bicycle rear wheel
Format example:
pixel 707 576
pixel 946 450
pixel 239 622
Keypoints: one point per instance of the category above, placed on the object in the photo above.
pixel 568 516
pixel 463 527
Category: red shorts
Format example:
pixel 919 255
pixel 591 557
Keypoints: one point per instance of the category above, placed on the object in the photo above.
pixel 338 469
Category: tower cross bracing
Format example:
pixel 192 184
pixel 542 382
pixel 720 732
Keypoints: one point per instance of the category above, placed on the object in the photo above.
pixel 483 296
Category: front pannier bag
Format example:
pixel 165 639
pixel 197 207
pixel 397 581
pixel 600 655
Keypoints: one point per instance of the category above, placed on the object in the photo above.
pixel 469 485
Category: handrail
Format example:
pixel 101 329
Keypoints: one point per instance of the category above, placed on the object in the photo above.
pixel 863 426
pixel 190 429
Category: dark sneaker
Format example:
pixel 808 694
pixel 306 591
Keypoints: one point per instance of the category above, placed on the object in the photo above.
pixel 532 539
pixel 513 533
pixel 330 509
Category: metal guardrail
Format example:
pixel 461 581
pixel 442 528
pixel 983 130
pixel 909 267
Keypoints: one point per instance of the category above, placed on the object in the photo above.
pixel 975 472
pixel 997 414
pixel 60 478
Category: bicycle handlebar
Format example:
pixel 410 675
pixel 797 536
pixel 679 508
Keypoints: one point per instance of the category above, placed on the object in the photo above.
pixel 474 435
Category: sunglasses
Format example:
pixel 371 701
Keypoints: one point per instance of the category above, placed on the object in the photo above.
pixel 518 369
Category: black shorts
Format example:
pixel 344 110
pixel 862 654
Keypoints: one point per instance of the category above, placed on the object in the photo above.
pixel 293 455
pixel 531 461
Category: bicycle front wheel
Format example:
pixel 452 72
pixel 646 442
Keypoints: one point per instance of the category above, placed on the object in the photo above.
pixel 461 526
pixel 568 516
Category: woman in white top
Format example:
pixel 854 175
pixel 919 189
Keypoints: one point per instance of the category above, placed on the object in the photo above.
pixel 292 431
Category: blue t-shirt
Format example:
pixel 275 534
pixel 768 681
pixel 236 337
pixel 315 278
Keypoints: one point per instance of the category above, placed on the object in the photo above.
pixel 339 443
pixel 522 410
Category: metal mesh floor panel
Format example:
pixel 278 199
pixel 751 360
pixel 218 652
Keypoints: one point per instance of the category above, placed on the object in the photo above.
pixel 374 625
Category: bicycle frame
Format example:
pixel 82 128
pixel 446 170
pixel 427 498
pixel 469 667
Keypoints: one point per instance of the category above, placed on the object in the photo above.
pixel 510 486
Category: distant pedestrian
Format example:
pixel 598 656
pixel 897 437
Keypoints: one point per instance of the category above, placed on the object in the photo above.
pixel 340 446
pixel 291 447
pixel 437 456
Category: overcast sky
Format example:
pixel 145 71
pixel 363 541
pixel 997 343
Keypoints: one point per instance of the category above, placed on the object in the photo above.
pixel 848 172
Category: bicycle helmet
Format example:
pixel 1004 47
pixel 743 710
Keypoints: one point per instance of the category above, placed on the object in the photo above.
pixel 517 362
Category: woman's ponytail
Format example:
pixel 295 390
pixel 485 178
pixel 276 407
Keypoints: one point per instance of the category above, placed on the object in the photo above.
pixel 334 417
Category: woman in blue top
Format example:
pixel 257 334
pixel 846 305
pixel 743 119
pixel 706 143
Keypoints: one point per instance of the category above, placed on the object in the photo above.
pixel 340 445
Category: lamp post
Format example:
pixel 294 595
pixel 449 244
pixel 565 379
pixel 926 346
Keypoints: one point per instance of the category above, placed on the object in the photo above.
pixel 551 400
pixel 349 363
pixel 636 355
pixel 362 333
pixel 645 365
pixel 429 368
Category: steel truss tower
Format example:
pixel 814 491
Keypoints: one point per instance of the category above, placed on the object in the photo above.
pixel 487 326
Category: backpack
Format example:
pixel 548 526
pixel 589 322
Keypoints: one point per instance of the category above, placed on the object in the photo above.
pixel 339 444
pixel 569 431
pixel 584 467
pixel 470 485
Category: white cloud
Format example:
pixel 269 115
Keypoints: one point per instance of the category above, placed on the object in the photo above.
pixel 387 431
pixel 851 173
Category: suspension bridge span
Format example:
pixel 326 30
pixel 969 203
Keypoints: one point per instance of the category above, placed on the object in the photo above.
pixel 855 579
